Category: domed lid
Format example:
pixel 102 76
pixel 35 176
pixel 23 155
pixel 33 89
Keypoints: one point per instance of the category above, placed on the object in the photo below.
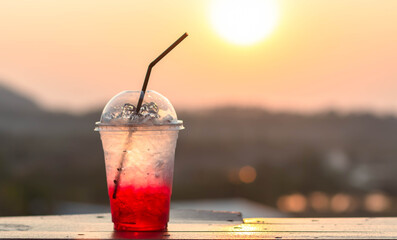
pixel 156 113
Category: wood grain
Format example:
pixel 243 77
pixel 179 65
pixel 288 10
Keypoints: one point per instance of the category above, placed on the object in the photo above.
pixel 191 224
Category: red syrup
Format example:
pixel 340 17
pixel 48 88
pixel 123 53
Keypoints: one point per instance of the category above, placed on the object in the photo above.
pixel 140 209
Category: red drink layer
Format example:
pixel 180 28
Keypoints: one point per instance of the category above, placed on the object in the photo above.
pixel 140 209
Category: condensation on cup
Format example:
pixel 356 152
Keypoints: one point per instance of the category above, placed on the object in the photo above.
pixel 139 154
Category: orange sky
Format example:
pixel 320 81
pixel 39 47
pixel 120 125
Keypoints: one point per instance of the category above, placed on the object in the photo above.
pixel 74 55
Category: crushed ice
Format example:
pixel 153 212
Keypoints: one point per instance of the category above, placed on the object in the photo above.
pixel 148 115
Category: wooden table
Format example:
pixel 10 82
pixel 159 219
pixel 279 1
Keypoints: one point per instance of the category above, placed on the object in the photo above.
pixel 192 224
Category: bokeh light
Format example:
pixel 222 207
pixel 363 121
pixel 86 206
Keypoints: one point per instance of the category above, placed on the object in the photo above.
pixel 292 203
pixel 341 202
pixel 319 201
pixel 247 174
pixel 377 202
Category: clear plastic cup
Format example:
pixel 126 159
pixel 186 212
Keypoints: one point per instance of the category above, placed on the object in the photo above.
pixel 139 157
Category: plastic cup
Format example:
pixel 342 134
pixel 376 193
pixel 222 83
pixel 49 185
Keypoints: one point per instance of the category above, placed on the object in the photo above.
pixel 139 159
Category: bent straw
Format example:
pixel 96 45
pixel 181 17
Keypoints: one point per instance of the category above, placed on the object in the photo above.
pixel 151 65
pixel 138 108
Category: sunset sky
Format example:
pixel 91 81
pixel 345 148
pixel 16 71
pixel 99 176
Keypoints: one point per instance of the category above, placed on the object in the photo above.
pixel 75 55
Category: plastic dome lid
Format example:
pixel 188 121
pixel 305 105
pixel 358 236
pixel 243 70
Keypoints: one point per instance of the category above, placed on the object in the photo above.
pixel 156 113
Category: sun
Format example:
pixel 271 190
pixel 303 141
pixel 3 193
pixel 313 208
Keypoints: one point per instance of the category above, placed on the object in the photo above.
pixel 244 22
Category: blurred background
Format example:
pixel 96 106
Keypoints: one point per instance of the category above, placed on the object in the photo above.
pixel 289 106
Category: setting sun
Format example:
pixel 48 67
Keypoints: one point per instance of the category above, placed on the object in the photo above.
pixel 244 22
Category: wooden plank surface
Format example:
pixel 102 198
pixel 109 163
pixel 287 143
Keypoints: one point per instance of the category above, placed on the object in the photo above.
pixel 191 224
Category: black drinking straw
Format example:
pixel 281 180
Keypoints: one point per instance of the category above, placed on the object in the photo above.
pixel 151 65
pixel 138 107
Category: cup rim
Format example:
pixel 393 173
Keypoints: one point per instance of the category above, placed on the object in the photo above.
pixel 103 127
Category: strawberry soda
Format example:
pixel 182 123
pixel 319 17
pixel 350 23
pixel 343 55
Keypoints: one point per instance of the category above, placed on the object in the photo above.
pixel 139 151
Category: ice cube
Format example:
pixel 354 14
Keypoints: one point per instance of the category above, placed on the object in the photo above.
pixel 152 107
pixel 112 115
pixel 115 115
pixel 145 119
pixel 128 111
pixel 168 118
pixel 149 111
pixel 143 109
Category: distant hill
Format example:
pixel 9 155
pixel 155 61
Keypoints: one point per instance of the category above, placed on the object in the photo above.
pixel 12 102
pixel 21 115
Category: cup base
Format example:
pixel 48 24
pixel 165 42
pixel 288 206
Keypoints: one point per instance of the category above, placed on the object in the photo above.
pixel 134 228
